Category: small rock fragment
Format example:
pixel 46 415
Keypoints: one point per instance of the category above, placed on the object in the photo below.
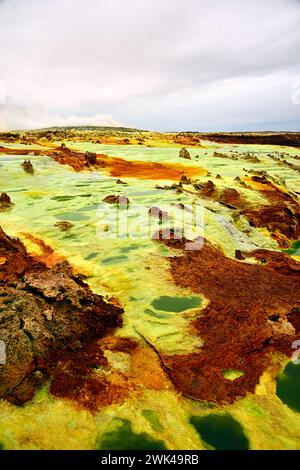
pixel 185 180
pixel 64 225
pixel 114 199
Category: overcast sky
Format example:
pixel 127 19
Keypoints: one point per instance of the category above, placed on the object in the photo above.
pixel 203 65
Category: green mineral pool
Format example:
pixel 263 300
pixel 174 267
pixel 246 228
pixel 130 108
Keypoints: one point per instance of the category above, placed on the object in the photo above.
pixel 124 438
pixel 288 386
pixel 222 432
pixel 176 304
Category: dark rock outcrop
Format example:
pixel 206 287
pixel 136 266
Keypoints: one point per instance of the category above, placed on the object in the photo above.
pixel 291 139
pixel 44 313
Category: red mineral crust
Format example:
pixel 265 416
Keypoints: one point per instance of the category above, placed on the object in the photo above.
pixel 76 374
pixel 115 166
pixel 253 311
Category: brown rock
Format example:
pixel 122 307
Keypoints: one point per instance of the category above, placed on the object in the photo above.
pixel 185 180
pixel 114 199
pixel 64 225
pixel 28 167
pixel 184 153
pixel 91 158
pixel 231 196
pixel 5 202
pixel 208 189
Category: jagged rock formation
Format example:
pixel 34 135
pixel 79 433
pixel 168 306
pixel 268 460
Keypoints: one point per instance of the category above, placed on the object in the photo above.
pixel 45 315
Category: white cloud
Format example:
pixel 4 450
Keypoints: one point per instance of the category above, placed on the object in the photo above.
pixel 17 117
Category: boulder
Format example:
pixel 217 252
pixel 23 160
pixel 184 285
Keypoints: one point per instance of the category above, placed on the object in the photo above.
pixel 90 158
pixel 5 202
pixel 28 167
pixel 184 154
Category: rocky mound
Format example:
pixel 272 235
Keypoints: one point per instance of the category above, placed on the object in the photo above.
pixel 44 311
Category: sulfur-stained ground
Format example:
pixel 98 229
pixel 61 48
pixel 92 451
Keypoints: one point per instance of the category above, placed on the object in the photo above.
pixel 198 360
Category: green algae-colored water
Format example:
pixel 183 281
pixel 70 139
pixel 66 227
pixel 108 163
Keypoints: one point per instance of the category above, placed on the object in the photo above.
pixel 175 304
pixel 222 432
pixel 295 249
pixel 135 269
pixel 232 374
pixel 288 386
pixel 124 438
pixel 118 266
pixel 151 416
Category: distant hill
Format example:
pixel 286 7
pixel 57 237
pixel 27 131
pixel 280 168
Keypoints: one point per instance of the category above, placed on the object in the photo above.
pixel 133 136
pixel 90 128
